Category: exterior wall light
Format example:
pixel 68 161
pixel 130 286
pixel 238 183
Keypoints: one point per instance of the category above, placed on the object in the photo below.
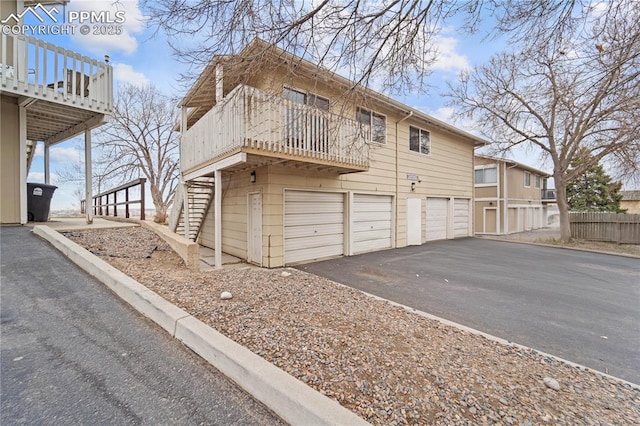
pixel 252 179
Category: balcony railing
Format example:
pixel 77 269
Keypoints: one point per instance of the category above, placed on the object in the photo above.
pixel 34 68
pixel 548 194
pixel 256 122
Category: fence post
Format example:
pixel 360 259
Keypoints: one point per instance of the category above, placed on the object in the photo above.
pixel 143 181
pixel 115 204
pixel 126 203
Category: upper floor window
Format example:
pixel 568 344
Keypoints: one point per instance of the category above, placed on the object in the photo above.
pixel 305 98
pixel 527 179
pixel 537 182
pixel 419 140
pixel 377 123
pixel 486 175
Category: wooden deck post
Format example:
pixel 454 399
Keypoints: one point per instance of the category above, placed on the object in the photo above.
pixel 218 218
pixel 47 164
pixel 88 191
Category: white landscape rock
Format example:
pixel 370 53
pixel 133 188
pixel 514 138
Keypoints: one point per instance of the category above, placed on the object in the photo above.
pixel 551 383
pixel 285 274
pixel 226 295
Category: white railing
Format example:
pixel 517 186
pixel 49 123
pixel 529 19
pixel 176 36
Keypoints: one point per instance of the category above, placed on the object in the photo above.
pixel 34 68
pixel 257 121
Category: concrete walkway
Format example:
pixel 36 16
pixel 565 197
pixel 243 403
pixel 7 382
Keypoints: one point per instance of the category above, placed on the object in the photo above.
pixel 73 353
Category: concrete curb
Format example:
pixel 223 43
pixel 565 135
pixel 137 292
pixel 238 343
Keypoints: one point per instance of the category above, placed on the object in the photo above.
pixel 533 243
pixel 292 400
pixel 486 335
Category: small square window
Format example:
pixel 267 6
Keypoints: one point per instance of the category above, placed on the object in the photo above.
pixel 377 131
pixel 419 140
pixel 488 175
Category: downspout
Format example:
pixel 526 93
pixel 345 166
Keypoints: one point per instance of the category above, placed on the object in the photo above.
pixel 397 171
pixel 498 213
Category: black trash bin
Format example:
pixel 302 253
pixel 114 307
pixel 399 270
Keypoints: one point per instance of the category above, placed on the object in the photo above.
pixel 39 201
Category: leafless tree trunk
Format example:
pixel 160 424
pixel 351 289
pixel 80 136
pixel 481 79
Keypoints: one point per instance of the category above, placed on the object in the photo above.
pixel 565 95
pixel 139 139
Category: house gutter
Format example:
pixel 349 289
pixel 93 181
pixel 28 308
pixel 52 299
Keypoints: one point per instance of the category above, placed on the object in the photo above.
pixel 406 117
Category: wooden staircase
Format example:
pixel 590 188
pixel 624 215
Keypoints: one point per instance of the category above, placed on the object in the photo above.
pixel 200 195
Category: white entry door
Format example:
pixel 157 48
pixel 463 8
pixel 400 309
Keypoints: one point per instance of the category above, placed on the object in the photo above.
pixel 437 218
pixel 313 225
pixel 254 229
pixel 414 221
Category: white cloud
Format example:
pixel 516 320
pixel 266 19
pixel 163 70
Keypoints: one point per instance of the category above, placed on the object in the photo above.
pixel 448 59
pixel 38 177
pixel 126 74
pixel 39 151
pixel 111 42
pixel 65 154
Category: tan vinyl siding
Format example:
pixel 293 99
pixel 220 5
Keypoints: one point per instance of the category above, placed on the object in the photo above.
pixel 9 161
pixel 446 172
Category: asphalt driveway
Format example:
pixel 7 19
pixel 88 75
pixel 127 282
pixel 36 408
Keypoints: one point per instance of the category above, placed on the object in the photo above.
pixel 73 353
pixel 584 307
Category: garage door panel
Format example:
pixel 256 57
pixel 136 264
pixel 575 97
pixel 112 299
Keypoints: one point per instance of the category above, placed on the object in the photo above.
pixel 314 229
pixel 313 197
pixel 308 254
pixel 313 219
pixel 320 207
pixel 369 234
pixel 369 217
pixel 437 212
pixel 461 218
pixel 313 225
pixel 371 222
pixel 373 225
pixel 316 242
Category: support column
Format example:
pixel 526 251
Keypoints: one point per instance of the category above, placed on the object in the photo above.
pixel 88 190
pixel 22 111
pixel 218 218
pixel 219 84
pixel 47 164
pixel 185 209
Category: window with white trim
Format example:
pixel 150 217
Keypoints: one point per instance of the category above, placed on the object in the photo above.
pixel 419 140
pixel 486 175
pixel 537 182
pixel 527 179
pixel 377 123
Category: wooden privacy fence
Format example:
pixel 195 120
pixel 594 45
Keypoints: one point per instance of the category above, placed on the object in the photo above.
pixel 107 201
pixel 611 227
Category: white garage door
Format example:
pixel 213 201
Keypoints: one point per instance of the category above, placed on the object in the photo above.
pixel 437 213
pixel 372 221
pixel 460 217
pixel 313 225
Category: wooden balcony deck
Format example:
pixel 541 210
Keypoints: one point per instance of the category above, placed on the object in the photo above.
pixel 63 90
pixel 272 129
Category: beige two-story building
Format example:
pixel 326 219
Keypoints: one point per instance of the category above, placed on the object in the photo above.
pixel 48 94
pixel 509 196
pixel 294 163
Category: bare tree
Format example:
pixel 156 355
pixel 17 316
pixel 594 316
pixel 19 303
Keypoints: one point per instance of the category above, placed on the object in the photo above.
pixel 139 139
pixel 392 41
pixel 564 96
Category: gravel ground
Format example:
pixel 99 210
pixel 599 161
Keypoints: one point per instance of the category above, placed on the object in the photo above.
pixel 386 364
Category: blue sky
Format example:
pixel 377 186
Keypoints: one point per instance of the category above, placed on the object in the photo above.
pixel 140 56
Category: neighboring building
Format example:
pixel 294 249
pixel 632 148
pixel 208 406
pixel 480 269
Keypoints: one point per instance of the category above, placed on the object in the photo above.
pixel 509 196
pixel 47 94
pixel 288 168
pixel 630 201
